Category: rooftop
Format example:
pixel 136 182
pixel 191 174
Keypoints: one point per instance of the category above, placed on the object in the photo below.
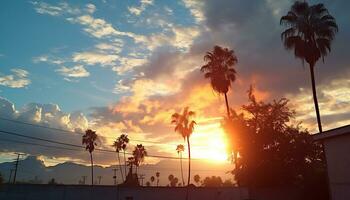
pixel 332 133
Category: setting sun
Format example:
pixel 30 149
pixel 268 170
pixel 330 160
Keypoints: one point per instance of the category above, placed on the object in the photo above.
pixel 209 142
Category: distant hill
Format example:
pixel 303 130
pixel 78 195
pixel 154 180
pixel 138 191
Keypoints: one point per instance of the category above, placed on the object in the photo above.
pixel 33 170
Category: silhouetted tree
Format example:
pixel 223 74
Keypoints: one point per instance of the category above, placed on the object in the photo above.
pixel 197 179
pixel 1 179
pixel 123 140
pixel 214 181
pixel 157 175
pixel 311 30
pixel 118 146
pixel 180 148
pixel 52 182
pixel 219 69
pixel 273 151
pixel 152 179
pixel 185 126
pixel 131 178
pixel 227 183
pixel 173 180
pixel 139 154
pixel 89 140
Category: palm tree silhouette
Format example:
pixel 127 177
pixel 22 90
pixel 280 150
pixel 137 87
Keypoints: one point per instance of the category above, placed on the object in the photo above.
pixel 118 145
pixel 139 154
pixel 157 175
pixel 123 140
pixel 219 69
pixel 89 140
pixel 311 29
pixel 185 126
pixel 180 148
pixel 152 179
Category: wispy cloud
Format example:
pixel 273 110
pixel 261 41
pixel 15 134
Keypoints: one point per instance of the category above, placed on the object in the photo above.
pixel 138 10
pixel 18 79
pixel 58 9
pixel 73 72
pixel 93 58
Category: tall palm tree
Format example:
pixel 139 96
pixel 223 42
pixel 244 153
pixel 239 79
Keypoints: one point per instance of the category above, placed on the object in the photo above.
pixel 118 145
pixel 157 175
pixel 219 69
pixel 123 140
pixel 180 148
pixel 311 30
pixel 89 140
pixel 185 126
pixel 139 154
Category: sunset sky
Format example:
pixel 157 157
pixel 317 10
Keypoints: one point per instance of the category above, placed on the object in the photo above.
pixel 125 66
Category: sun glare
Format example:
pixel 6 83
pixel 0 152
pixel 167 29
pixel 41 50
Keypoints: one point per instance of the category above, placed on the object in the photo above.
pixel 209 142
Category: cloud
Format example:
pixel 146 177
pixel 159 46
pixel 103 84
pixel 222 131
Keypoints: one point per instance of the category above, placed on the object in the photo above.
pixel 48 59
pixel 90 8
pixel 138 10
pixel 48 115
pixel 93 58
pixel 56 10
pixel 333 102
pixel 99 28
pixel 73 72
pixel 18 79
pixel 196 9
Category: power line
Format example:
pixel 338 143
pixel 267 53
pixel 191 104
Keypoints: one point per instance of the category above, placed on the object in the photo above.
pixel 78 146
pixel 36 144
pixel 77 133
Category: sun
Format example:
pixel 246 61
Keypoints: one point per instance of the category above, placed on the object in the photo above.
pixel 209 143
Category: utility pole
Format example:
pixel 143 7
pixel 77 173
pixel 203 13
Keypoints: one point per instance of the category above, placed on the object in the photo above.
pixel 99 179
pixel 16 167
pixel 115 176
pixel 11 171
pixel 141 177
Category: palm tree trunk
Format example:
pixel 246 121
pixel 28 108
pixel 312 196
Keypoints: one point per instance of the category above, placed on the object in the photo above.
pixel 92 170
pixel 189 161
pixel 120 167
pixel 236 165
pixel 124 164
pixel 189 168
pixel 182 173
pixel 315 97
pixel 227 107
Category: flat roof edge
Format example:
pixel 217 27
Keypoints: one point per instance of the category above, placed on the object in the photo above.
pixel 332 133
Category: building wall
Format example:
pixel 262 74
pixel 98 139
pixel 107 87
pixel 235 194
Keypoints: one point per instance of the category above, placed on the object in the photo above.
pixel 75 192
pixel 338 160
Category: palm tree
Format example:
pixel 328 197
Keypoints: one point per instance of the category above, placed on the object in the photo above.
pixel 123 140
pixel 180 148
pixel 311 30
pixel 89 140
pixel 152 179
pixel 185 126
pixel 118 145
pixel 219 69
pixel 157 175
pixel 139 154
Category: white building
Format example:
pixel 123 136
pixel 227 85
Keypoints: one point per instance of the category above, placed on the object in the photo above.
pixel 337 147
